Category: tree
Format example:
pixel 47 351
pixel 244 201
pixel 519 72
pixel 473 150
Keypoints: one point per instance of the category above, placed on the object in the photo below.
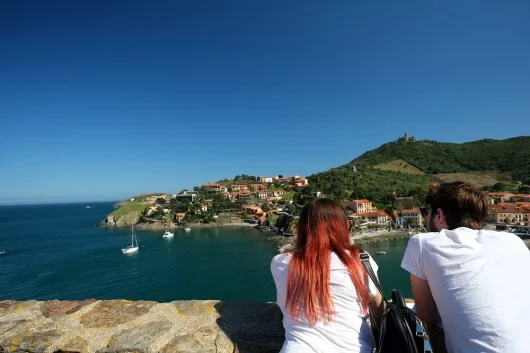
pixel 280 176
pixel 265 207
pixel 524 189
pixel 407 204
pixel 498 187
pixel 419 193
pixel 176 206
pixel 242 202
pixel 412 223
pixel 160 201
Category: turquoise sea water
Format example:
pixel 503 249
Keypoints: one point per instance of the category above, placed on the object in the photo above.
pixel 55 252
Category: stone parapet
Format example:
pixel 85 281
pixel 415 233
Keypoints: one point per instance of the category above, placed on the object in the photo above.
pixel 193 326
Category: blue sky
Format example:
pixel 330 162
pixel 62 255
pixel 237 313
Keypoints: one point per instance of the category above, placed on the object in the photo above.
pixel 100 100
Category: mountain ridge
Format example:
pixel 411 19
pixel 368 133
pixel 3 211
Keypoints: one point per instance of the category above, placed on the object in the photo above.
pixel 379 173
pixel 433 157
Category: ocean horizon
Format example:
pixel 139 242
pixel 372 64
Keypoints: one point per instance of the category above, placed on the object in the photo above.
pixel 51 203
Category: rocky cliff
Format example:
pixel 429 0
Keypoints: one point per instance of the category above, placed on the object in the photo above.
pixel 193 326
pixel 125 220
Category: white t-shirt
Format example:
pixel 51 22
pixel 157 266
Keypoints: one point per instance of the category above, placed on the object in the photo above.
pixel 349 332
pixel 480 282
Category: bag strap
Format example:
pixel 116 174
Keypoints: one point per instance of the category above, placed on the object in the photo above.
pixel 365 259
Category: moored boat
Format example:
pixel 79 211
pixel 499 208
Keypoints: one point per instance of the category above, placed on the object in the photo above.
pixel 134 244
pixel 168 234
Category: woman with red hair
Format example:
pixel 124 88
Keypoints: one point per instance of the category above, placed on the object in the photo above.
pixel 322 288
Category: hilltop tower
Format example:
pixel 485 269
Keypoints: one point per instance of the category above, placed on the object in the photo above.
pixel 407 138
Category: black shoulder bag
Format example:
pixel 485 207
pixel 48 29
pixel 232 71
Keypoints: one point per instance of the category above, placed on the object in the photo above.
pixel 401 331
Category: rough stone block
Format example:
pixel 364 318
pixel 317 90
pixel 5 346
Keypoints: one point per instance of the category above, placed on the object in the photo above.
pixel 195 307
pixel 112 313
pixel 10 307
pixel 137 339
pixel 200 341
pixel 30 341
pixel 73 344
pixel 54 308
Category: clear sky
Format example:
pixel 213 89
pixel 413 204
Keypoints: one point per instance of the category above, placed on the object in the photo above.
pixel 100 100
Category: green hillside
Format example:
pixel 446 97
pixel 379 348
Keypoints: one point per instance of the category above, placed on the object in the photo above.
pixel 510 155
pixel 406 168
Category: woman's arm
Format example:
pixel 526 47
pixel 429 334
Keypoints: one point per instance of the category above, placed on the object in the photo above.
pixel 377 306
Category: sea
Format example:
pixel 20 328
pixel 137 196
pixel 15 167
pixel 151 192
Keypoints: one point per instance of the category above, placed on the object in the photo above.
pixel 56 252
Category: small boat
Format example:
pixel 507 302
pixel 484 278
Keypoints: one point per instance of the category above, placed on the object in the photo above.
pixel 168 234
pixel 134 244
pixel 187 229
pixel 2 253
pixel 88 207
pixel 381 252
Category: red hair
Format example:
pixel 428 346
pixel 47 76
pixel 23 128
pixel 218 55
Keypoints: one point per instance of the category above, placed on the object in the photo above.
pixel 322 229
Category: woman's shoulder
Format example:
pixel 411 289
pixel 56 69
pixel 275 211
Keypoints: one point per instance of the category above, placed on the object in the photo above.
pixel 283 258
pixel 280 265
pixel 336 262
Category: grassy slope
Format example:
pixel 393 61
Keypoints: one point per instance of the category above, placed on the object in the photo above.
pixel 130 207
pixel 399 165
pixel 478 179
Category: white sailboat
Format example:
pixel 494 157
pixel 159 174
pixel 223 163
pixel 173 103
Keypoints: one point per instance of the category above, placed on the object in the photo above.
pixel 187 229
pixel 168 234
pixel 134 244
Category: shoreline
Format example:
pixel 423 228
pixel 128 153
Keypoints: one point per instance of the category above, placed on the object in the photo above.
pixel 156 226
pixel 284 241
pixel 214 225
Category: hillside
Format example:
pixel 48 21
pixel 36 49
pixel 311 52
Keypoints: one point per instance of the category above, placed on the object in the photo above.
pixel 510 155
pixel 406 168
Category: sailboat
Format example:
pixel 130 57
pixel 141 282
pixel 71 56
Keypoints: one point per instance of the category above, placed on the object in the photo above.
pixel 134 244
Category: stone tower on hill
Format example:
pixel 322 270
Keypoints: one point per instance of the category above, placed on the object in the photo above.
pixel 407 138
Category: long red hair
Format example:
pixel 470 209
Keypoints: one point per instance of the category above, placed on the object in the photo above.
pixel 322 229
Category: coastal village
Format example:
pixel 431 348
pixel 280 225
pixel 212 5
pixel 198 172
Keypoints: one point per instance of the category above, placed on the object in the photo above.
pixel 265 200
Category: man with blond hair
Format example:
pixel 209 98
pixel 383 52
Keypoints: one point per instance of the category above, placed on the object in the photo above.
pixel 471 280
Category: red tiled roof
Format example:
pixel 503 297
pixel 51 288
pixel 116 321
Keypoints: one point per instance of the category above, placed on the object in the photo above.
pixel 411 211
pixel 362 201
pixel 499 194
pixel 372 214
pixel 505 207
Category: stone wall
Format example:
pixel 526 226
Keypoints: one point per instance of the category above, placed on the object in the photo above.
pixel 193 326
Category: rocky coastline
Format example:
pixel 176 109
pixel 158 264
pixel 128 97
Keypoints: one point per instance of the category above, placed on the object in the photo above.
pixel 163 225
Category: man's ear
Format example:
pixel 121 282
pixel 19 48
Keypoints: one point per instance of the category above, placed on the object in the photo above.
pixel 441 219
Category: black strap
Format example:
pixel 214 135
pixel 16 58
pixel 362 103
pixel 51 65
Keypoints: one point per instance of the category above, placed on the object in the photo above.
pixel 365 259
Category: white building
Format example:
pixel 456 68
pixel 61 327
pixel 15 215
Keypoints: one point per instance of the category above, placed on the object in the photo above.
pixel 410 217
pixel 361 206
